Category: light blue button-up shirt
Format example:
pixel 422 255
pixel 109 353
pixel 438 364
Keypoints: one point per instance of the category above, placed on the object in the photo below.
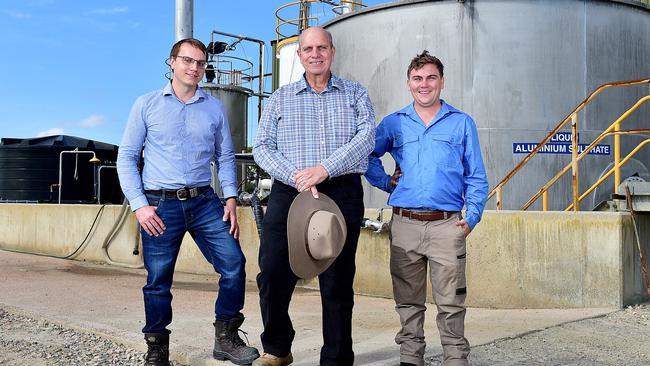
pixel 301 128
pixel 180 140
pixel 441 163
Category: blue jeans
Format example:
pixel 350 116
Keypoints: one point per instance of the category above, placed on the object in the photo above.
pixel 201 216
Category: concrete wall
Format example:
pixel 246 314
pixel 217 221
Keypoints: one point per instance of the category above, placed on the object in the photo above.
pixel 515 259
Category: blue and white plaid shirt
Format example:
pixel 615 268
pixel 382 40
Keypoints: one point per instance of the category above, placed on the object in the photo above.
pixel 301 128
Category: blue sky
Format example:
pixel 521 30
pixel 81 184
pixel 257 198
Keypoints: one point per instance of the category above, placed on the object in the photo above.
pixel 75 67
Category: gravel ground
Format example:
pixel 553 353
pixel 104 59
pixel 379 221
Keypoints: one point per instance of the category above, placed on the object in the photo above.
pixel 28 341
pixel 620 338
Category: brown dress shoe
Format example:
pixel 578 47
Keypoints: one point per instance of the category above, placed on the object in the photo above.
pixel 268 359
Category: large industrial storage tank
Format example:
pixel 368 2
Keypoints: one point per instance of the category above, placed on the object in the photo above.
pixel 30 170
pixel 518 67
pixel 235 102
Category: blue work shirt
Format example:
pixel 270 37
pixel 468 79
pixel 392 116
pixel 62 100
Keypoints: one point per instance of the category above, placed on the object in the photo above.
pixel 441 163
pixel 180 140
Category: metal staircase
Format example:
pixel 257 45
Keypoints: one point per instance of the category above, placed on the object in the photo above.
pixel 639 188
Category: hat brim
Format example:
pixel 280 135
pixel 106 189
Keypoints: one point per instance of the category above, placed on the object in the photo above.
pixel 301 210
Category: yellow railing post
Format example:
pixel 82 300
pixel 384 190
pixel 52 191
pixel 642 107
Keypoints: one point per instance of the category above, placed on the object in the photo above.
pixel 499 197
pixel 574 161
pixel 545 201
pixel 617 157
pixel 548 138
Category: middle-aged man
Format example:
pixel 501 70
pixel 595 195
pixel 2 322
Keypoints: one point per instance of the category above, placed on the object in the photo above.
pixel 315 134
pixel 183 129
pixel 440 170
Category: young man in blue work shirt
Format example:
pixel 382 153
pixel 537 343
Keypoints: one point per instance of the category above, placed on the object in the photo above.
pixel 439 170
pixel 183 129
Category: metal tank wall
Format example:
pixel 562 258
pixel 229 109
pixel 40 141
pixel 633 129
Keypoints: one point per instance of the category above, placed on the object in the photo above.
pixel 235 102
pixel 517 67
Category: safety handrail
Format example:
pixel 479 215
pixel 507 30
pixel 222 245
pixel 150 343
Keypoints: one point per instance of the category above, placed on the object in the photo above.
pixel 614 127
pixel 572 116
pixel 616 166
pixel 303 19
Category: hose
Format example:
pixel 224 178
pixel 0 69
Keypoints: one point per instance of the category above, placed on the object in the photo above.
pixel 117 226
pixel 258 213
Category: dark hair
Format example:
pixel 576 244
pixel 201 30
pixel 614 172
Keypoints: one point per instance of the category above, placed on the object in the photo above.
pixel 192 41
pixel 422 59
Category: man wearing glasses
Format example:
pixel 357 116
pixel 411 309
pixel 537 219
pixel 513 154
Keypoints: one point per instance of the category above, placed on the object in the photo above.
pixel 182 129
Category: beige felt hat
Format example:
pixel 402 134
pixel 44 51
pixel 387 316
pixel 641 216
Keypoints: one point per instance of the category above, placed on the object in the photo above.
pixel 316 233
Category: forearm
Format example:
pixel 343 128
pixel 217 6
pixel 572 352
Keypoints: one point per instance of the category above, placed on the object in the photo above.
pixel 130 180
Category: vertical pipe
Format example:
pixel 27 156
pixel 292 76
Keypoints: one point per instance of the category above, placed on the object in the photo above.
pixel 184 19
pixel 545 200
pixel 260 101
pixel 574 161
pixel 617 158
pixel 60 173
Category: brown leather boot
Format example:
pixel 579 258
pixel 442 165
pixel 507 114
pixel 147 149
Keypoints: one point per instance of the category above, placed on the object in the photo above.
pixel 268 359
pixel 158 349
pixel 229 346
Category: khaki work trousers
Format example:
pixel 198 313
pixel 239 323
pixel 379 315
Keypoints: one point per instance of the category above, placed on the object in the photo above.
pixel 439 245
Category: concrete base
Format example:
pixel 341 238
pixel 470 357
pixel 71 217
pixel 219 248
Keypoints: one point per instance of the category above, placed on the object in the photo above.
pixel 515 259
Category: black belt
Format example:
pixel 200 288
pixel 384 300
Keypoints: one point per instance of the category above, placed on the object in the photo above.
pixel 423 215
pixel 181 194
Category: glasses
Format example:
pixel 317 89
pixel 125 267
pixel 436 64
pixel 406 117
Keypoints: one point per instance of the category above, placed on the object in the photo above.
pixel 190 61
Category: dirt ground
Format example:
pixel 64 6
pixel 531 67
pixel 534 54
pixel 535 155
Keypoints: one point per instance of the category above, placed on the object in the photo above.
pixel 620 338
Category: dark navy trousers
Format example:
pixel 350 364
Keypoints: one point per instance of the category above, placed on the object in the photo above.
pixel 276 281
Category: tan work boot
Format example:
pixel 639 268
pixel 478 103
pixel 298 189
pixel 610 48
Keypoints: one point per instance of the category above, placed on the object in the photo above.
pixel 268 359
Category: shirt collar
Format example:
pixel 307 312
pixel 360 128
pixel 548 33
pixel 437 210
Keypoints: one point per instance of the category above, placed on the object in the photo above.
pixel 445 109
pixel 333 82
pixel 200 94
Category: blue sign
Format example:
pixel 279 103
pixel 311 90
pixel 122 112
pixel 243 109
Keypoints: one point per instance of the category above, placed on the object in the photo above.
pixel 563 137
pixel 555 148
pixel 560 143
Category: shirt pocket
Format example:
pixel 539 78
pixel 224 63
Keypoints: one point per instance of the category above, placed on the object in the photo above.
pixel 447 150
pixel 344 124
pixel 407 151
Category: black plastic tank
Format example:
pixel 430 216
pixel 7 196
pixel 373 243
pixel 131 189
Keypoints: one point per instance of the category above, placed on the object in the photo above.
pixel 29 170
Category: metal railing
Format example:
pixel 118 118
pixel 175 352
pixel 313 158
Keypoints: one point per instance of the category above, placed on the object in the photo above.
pixel 305 18
pixel 572 117
pixel 614 128
pixel 616 167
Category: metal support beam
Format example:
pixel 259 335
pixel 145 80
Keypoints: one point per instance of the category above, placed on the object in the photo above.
pixel 184 19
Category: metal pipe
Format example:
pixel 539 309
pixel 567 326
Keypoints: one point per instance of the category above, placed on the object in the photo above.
pixel 75 151
pixel 644 267
pixel 99 180
pixel 374 225
pixel 260 83
pixel 260 94
pixel 184 19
